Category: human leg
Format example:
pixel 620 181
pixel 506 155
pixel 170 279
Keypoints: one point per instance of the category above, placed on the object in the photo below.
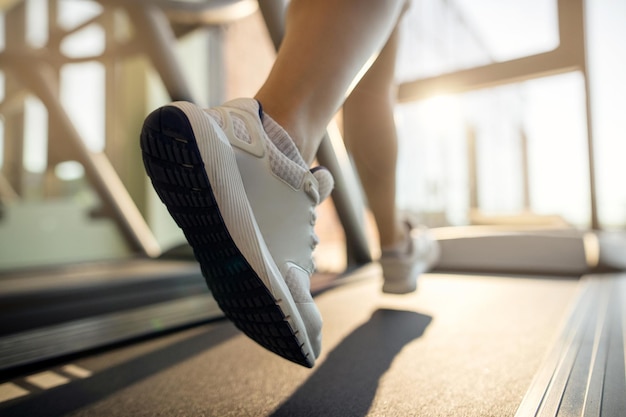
pixel 327 43
pixel 239 186
pixel 370 136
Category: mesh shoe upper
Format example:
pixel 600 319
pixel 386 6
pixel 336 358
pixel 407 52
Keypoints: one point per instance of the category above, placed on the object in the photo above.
pixel 283 203
pixel 401 270
pixel 282 193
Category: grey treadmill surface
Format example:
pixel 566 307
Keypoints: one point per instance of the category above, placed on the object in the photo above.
pixel 463 345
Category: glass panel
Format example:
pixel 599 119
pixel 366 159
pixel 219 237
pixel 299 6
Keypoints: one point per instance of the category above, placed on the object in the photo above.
pixel 606 24
pixel 555 121
pixel 59 216
pixel 37 23
pixel 467 152
pixel 87 42
pixel 83 97
pixel 35 136
pixel 439 136
pixel 71 13
pixel 446 36
pixel 511 29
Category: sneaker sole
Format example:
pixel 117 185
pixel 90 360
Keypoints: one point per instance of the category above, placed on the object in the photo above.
pixel 180 177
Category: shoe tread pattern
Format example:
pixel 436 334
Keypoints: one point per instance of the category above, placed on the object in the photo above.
pixel 173 163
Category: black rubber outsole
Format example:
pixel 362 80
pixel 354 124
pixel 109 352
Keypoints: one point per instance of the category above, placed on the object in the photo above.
pixel 173 163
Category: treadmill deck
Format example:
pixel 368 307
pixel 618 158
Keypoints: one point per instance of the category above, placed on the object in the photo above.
pixel 462 345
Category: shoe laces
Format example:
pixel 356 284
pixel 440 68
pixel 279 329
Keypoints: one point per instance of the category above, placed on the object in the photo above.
pixel 285 159
pixel 318 193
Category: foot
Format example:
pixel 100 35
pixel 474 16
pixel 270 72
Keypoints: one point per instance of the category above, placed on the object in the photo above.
pixel 245 200
pixel 402 266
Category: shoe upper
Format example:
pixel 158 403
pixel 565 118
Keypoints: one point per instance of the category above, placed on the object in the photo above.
pixel 282 191
pixel 401 270
pixel 283 194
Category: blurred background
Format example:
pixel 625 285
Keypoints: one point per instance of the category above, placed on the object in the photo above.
pixel 510 119
pixel 76 83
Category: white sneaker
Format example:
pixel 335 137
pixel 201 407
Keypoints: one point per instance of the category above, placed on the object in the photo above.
pixel 401 270
pixel 245 200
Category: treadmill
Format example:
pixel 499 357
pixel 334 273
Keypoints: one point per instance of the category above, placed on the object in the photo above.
pixel 524 319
